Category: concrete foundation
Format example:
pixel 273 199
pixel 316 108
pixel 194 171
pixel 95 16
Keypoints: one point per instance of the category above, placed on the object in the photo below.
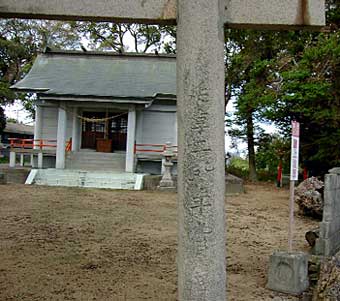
pixel 3 179
pixel 233 185
pixel 16 175
pixel 288 272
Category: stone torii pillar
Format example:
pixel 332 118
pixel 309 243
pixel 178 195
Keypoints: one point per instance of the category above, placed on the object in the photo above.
pixel 200 91
pixel 201 176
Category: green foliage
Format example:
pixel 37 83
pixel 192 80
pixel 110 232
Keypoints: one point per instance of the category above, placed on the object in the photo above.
pixel 249 70
pixel 273 148
pixel 238 167
pixel 285 76
pixel 20 40
pixel 310 94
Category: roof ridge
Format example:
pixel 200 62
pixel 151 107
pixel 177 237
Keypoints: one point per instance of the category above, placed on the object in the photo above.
pixel 105 53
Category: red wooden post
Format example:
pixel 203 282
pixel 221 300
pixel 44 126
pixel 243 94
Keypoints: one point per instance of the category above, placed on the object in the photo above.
pixel 305 173
pixel 279 175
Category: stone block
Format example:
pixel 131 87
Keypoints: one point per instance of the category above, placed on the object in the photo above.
pixel 335 171
pixel 329 201
pixel 319 248
pixel 288 272
pixel 327 246
pixel 332 244
pixel 328 229
pixel 329 241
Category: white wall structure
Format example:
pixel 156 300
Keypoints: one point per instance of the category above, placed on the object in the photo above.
pixel 157 125
pixel 38 124
pixel 130 141
pixel 50 123
pixel 61 137
pixel 75 130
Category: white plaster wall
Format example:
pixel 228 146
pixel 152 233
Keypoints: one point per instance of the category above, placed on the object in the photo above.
pixel 139 126
pixel 50 123
pixel 154 127
pixel 157 124
pixel 69 127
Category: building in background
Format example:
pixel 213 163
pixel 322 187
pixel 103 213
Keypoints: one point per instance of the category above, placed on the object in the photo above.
pixel 103 111
pixel 15 130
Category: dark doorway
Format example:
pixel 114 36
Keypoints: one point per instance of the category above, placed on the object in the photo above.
pixel 115 129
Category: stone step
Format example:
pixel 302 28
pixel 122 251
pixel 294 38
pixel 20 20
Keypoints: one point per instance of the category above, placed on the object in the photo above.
pixel 99 162
pixel 77 178
pixel 95 155
pixel 85 165
pixel 96 161
pixel 95 167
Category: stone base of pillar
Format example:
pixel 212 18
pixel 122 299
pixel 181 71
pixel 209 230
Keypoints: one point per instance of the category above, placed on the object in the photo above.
pixel 288 272
pixel 22 159
pixel 32 160
pixel 40 160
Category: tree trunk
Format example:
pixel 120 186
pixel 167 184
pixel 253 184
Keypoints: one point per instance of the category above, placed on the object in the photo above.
pixel 251 147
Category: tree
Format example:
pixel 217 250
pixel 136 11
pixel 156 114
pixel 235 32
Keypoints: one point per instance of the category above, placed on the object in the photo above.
pixel 280 77
pixel 20 40
pixel 272 150
pixel 108 36
pixel 248 69
pixel 308 91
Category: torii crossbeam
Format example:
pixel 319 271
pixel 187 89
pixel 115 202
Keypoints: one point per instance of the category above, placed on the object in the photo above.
pixel 235 13
pixel 200 99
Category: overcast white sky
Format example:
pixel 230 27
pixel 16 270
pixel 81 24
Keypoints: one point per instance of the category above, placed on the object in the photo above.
pixel 18 112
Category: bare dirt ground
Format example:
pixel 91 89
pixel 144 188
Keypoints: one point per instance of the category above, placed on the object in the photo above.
pixel 78 244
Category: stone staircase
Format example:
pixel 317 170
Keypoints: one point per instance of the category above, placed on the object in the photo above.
pixel 114 162
pixel 88 179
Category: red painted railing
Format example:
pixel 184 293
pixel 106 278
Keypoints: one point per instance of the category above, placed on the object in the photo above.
pixel 154 148
pixel 37 143
pixel 32 143
pixel 69 145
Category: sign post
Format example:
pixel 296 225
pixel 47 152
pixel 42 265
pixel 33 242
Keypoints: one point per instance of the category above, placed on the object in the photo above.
pixel 294 175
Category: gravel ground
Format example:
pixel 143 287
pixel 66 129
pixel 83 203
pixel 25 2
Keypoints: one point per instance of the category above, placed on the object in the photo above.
pixel 87 244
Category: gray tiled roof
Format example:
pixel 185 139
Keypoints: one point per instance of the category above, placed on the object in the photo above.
pixel 101 75
pixel 19 128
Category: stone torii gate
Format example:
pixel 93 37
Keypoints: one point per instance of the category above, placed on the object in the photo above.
pixel 200 99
